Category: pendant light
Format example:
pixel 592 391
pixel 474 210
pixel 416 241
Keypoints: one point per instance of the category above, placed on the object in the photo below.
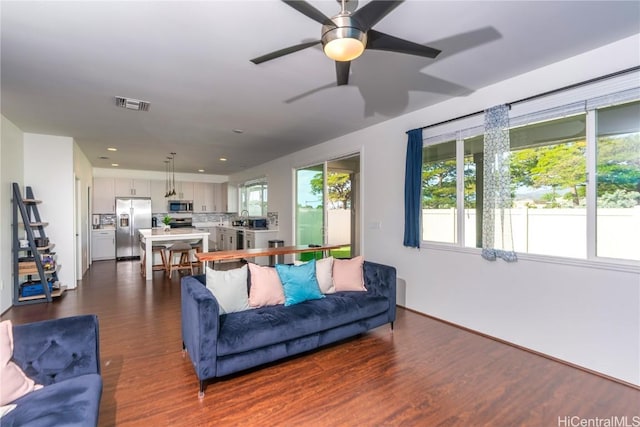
pixel 166 178
pixel 173 167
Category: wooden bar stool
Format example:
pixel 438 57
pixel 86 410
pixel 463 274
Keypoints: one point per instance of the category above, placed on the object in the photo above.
pixel 183 251
pixel 197 248
pixel 161 249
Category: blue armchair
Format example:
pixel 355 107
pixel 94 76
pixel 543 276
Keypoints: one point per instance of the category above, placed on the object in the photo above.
pixel 64 356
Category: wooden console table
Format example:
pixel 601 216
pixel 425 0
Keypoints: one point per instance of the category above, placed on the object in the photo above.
pixel 255 252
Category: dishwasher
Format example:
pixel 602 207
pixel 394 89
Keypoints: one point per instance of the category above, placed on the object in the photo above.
pixel 240 239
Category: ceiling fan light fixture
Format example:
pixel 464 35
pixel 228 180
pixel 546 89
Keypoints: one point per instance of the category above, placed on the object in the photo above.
pixel 343 41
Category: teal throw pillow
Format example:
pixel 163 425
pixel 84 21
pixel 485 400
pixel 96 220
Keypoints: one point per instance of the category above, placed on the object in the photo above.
pixel 299 282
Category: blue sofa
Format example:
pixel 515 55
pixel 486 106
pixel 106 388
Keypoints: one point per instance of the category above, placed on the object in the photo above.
pixel 220 345
pixel 64 356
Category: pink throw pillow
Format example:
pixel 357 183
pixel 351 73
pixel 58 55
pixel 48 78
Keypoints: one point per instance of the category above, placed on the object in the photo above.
pixel 266 287
pixel 15 383
pixel 348 274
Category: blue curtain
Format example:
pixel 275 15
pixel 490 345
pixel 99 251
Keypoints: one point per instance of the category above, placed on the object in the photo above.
pixel 413 189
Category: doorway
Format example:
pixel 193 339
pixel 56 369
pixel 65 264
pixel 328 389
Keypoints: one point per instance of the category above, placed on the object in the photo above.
pixel 327 206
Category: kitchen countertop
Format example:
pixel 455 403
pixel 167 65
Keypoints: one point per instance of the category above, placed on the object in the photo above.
pixel 106 228
pixel 173 233
pixel 230 227
pixel 248 229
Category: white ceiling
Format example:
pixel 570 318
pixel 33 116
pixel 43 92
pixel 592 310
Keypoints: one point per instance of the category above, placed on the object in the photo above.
pixel 62 64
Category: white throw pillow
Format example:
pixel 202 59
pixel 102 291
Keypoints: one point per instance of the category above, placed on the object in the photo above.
pixel 324 274
pixel 230 289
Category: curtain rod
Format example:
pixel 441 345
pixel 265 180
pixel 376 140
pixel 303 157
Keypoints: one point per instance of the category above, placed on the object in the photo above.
pixel 540 95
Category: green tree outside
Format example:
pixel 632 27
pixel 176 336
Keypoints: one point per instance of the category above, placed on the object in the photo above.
pixel 560 167
pixel 338 187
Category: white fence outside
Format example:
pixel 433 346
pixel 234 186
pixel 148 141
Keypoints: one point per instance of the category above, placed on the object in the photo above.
pixel 339 227
pixel 559 232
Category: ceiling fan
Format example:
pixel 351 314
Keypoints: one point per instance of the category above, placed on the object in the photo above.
pixel 346 35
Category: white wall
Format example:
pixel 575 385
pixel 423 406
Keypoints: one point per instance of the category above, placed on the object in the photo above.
pixel 584 315
pixel 49 171
pixel 11 154
pixel 83 172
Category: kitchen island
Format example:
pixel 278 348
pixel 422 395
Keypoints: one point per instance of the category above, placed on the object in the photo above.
pixel 151 236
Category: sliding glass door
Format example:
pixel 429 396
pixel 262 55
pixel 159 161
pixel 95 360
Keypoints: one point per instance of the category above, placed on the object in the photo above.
pixel 327 206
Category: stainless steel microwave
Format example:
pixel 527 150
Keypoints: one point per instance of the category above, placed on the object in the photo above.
pixel 180 206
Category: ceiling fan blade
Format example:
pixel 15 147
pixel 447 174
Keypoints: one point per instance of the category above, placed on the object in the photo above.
pixel 371 13
pixel 342 72
pixel 381 41
pixel 283 52
pixel 308 10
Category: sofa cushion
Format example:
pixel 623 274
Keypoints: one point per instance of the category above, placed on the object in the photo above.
pixel 324 274
pixel 264 326
pixel 230 288
pixel 72 402
pixel 266 288
pixel 348 274
pixel 299 282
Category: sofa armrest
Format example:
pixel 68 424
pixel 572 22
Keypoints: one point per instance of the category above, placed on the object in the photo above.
pixel 380 279
pixel 54 350
pixel 200 314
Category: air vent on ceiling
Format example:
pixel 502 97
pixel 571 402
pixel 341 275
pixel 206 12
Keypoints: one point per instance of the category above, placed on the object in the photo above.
pixel 132 104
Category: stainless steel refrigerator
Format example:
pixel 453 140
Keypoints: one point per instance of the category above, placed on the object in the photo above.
pixel 132 214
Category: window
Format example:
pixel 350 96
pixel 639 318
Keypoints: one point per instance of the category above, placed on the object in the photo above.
pixel 618 182
pixel 253 197
pixel 552 204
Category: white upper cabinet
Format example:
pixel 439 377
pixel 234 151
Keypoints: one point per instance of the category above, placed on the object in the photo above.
pixel 184 190
pixel 104 195
pixel 127 187
pixel 159 203
pixel 229 197
pixel 203 197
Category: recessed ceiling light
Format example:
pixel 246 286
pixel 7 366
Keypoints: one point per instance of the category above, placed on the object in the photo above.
pixel 223 159
pixel 238 131
pixel 114 164
pixel 112 149
pixel 200 170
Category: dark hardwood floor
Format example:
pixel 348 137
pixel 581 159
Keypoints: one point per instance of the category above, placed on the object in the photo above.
pixel 425 373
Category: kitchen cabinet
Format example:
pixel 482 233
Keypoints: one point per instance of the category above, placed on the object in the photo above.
pixel 104 195
pixel 227 238
pixel 213 241
pixel 184 190
pixel 103 244
pixel 159 203
pixel 228 198
pixel 204 197
pixel 127 187
pixel 220 239
pixel 259 239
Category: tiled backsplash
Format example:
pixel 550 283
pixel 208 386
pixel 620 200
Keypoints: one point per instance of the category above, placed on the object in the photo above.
pixel 220 218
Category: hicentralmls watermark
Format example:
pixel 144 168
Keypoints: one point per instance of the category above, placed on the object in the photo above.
pixel 613 421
